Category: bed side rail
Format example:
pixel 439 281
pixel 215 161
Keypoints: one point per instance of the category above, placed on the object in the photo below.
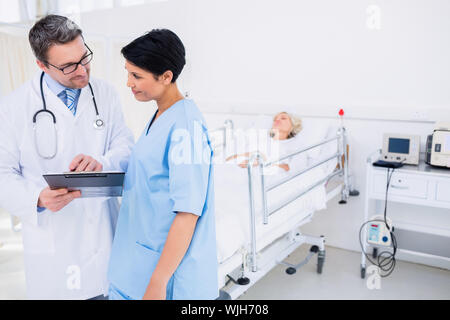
pixel 227 134
pixel 256 159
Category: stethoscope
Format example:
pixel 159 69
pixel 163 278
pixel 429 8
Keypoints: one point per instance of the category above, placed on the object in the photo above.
pixel 98 122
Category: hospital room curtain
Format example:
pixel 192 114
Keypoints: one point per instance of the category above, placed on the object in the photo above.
pixel 17 61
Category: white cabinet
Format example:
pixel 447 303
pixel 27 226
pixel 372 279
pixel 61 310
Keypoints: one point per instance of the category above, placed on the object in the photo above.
pixel 402 185
pixel 421 185
pixel 443 191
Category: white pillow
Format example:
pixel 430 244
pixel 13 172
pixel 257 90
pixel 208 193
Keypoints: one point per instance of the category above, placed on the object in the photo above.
pixel 313 131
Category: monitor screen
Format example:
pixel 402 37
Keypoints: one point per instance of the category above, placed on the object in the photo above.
pixel 447 144
pixel 397 145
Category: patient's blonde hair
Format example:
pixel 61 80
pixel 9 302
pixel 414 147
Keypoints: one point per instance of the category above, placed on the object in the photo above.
pixel 295 121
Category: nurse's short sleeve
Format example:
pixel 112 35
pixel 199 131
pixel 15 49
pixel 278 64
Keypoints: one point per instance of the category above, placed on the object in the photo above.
pixel 189 159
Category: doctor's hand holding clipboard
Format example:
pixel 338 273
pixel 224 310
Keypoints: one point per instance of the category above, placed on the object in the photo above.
pixel 55 200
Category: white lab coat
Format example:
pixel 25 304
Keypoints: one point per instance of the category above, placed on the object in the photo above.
pixel 67 252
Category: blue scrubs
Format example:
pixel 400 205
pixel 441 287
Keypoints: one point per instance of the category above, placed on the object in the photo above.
pixel 170 170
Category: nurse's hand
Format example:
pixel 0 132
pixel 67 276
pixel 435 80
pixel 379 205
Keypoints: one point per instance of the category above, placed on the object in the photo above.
pixel 155 291
pixel 83 162
pixel 55 200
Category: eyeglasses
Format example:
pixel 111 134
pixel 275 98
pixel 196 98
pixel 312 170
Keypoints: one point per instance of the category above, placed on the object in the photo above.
pixel 74 66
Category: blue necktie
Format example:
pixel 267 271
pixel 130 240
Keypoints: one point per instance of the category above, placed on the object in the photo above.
pixel 68 96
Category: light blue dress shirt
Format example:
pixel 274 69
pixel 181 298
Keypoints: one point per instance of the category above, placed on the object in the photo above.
pixel 57 88
pixel 169 171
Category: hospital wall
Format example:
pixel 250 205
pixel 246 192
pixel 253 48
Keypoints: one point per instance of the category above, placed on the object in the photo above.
pixel 384 62
pixel 306 53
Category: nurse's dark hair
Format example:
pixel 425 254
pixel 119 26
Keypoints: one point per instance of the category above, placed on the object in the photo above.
pixel 157 51
pixel 50 30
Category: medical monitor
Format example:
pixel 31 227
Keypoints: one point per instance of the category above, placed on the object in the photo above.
pixel 401 148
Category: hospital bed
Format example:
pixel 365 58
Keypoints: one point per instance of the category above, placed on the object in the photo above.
pixel 258 216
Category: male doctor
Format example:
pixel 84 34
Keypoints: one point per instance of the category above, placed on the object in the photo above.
pixel 67 239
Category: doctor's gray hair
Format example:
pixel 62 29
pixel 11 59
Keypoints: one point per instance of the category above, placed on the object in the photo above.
pixel 50 30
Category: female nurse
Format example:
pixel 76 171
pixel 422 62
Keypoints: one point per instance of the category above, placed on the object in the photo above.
pixel 165 242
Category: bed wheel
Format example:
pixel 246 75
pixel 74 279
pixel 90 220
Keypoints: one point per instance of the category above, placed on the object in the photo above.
pixel 291 270
pixel 243 281
pixel 320 261
pixel 354 193
pixel 343 202
pixel 363 272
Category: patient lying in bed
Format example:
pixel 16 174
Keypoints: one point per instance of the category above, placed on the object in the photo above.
pixel 282 140
pixel 285 135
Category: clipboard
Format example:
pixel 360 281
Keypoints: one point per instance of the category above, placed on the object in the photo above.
pixel 91 184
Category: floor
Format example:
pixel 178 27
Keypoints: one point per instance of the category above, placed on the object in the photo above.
pixel 340 278
pixel 12 276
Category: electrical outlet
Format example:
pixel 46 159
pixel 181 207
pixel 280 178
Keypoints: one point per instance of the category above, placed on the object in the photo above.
pixel 420 115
